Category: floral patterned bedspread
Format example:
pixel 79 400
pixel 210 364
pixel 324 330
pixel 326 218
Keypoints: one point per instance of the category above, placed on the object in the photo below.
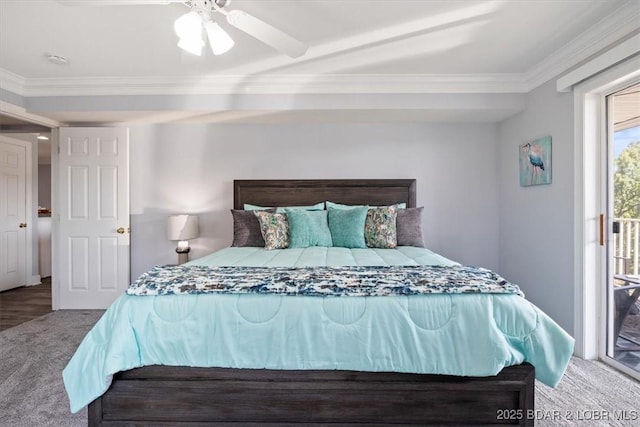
pixel 321 281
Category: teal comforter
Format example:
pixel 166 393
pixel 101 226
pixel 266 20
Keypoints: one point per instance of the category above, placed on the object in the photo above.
pixel 462 334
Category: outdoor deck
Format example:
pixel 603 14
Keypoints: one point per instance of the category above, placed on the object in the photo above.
pixel 629 339
pixel 626 252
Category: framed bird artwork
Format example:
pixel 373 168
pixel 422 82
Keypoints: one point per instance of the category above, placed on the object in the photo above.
pixel 535 162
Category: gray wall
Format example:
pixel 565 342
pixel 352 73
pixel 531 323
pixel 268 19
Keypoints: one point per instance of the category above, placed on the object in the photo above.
pixel 44 186
pixel 536 223
pixel 190 169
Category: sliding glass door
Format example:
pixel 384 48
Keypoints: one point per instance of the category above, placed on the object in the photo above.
pixel 623 229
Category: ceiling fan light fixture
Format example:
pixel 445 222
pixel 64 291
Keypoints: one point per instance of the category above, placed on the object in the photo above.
pixel 188 25
pixel 219 39
pixel 191 45
pixel 189 28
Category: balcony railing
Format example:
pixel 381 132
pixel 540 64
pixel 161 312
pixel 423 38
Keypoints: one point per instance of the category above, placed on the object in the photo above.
pixel 626 245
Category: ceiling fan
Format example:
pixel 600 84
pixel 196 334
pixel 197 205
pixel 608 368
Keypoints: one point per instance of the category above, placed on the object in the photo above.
pixel 189 27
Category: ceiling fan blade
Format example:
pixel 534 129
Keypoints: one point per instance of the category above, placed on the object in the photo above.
pixel 266 33
pixel 115 2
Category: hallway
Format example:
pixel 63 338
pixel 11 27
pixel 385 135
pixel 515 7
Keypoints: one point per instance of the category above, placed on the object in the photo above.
pixel 25 303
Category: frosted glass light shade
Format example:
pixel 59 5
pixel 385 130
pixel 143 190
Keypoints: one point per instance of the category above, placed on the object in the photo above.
pixel 219 40
pixel 188 26
pixel 182 227
pixel 193 46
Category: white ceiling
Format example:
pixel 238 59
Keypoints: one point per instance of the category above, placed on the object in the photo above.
pixel 114 49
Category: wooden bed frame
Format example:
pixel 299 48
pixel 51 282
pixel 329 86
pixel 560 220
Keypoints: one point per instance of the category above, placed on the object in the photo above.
pixel 180 396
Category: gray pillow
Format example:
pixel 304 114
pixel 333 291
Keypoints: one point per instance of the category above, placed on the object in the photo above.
pixel 409 227
pixel 246 229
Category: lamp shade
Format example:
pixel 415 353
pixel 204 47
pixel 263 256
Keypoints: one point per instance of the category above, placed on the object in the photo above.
pixel 182 227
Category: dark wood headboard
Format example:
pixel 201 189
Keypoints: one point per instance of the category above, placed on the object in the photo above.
pixel 300 192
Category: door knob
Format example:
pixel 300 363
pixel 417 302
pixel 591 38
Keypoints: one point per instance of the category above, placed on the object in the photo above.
pixel 120 230
pixel 23 225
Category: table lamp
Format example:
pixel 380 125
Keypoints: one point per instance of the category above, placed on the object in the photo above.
pixel 182 228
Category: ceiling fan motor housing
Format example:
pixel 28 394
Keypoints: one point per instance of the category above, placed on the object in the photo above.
pixel 207 5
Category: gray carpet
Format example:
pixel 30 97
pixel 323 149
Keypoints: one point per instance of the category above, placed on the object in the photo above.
pixel 32 356
pixel 589 389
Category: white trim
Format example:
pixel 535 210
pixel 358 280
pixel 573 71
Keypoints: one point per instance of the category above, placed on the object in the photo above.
pixel 12 82
pixel 278 84
pixel 619 366
pixel 600 63
pixel 32 225
pixel 605 291
pixel 615 26
pixel 588 274
pixel 35 280
pixel 21 113
pixel 585 225
pixel 55 221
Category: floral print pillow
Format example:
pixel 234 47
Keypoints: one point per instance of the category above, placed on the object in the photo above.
pixel 380 227
pixel 274 228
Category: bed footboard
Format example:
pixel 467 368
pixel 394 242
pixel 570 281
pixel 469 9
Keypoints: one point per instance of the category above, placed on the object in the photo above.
pixel 163 395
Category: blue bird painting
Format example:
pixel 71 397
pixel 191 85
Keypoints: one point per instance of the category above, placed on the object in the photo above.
pixel 535 162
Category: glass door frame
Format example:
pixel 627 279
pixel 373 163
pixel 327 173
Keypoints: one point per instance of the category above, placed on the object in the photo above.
pixel 606 346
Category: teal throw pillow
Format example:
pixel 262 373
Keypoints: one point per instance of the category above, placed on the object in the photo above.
pixel 347 226
pixel 248 207
pixel 308 228
pixel 316 207
pixel 341 206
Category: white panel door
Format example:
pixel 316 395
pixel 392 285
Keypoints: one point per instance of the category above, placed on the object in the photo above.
pixel 93 199
pixel 13 220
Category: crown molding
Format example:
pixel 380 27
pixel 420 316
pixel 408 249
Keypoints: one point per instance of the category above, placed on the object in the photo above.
pixel 12 82
pixel 276 84
pixel 628 49
pixel 613 28
pixel 22 114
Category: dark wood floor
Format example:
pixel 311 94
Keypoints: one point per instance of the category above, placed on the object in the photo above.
pixel 23 304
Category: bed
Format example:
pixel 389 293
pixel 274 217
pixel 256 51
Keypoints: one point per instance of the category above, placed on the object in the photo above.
pixel 385 392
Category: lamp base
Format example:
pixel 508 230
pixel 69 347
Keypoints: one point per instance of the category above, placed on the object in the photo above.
pixel 183 255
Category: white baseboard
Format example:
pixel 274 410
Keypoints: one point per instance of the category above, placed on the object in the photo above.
pixel 35 280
